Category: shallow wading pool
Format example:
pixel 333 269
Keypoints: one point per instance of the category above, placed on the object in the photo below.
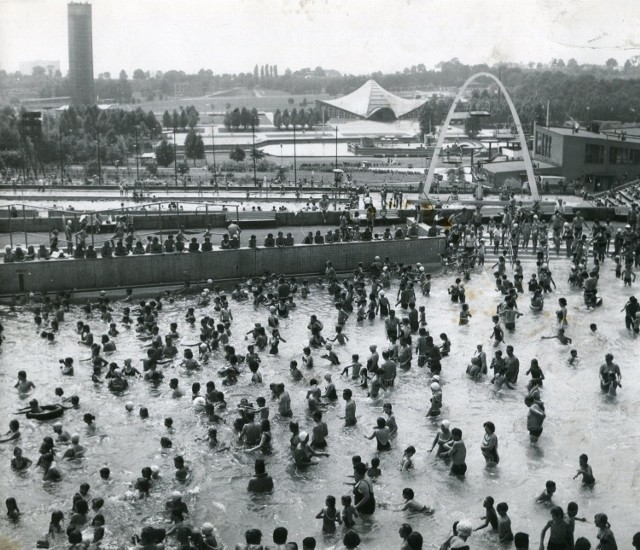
pixel 579 420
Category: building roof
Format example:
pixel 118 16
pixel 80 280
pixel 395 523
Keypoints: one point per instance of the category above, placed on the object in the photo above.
pixel 515 166
pixel 607 135
pixel 370 98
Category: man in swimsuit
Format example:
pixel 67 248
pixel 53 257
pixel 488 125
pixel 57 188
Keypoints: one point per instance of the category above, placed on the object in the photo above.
pixel 457 453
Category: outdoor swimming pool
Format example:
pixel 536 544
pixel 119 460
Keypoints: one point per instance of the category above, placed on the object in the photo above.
pixel 579 420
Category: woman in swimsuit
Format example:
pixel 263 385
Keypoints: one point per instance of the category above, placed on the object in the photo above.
pixel 381 433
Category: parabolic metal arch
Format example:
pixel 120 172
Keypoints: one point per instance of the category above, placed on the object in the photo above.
pixel 443 132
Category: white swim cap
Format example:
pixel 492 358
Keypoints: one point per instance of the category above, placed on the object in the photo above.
pixel 465 528
pixel 445 424
pixel 209 281
pixel 207 528
pixel 435 386
pixel 303 436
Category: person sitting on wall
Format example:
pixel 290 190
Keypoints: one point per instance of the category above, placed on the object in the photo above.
pixel 280 239
pixel 225 244
pixel 138 248
pixel 252 242
pixel 207 245
pixel 194 245
pixel 169 244
pixel 308 239
pixel 269 241
pixel 235 241
pixel 156 247
pixel 78 252
pixel 288 240
pixel 318 239
pixel 121 250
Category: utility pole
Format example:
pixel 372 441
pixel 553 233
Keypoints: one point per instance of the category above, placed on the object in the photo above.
pixel 137 155
pixel 175 157
pixel 336 147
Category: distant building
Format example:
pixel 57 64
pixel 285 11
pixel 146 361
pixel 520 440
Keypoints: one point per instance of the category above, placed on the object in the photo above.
pixel 372 102
pixel 598 160
pixel 80 54
pixel 26 67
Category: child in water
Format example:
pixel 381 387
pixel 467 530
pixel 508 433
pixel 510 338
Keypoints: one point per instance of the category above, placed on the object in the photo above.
pixel 329 515
pixel 349 512
pixel 585 471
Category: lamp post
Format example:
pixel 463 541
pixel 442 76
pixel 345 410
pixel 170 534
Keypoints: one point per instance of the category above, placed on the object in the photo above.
pixel 61 156
pixel 253 151
pixel 137 155
pixel 213 152
pixel 336 147
pixel 175 157
pixel 295 164
pixel 99 165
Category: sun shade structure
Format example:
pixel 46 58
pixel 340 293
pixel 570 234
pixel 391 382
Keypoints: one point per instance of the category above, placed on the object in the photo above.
pixel 372 102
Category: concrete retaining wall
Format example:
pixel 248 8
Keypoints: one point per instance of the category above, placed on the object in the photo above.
pixel 158 269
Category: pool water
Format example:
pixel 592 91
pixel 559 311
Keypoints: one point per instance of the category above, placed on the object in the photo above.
pixel 579 420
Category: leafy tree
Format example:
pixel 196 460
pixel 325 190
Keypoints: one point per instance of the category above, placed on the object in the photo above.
pixel 123 75
pixel 302 118
pixel 255 118
pixel 261 72
pixel 255 72
pixel 165 154
pixel 167 121
pixel 227 121
pixel 277 119
pixel 611 63
pixel 237 154
pixel 245 118
pixel 275 71
pixel 139 74
pixel 152 167
pixel 290 101
pixel 294 117
pixel 175 119
pixel 472 126
pixel 38 72
pixel 182 168
pixel 286 118
pixel 184 120
pixel 152 124
pixel 236 119
pixel 192 116
pixel 257 154
pixel 194 146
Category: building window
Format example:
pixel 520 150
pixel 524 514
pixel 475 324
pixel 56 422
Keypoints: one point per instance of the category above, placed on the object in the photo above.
pixel 593 154
pixel 618 155
pixel 543 145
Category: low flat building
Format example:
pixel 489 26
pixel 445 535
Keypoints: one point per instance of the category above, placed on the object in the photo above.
pixel 512 173
pixel 598 160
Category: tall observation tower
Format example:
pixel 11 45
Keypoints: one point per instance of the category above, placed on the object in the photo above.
pixel 80 54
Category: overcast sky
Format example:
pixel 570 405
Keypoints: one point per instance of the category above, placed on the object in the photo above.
pixel 352 36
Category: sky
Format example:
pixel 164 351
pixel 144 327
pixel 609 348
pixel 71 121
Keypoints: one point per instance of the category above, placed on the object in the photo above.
pixel 351 36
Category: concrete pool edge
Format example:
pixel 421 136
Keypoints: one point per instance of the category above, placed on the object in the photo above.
pixel 219 265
